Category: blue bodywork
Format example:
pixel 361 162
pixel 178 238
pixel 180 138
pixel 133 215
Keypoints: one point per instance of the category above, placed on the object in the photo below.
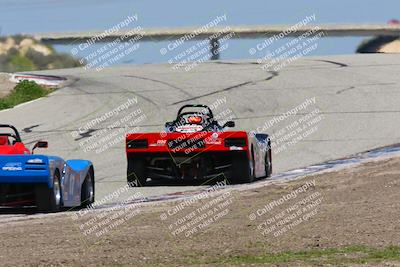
pixel 39 169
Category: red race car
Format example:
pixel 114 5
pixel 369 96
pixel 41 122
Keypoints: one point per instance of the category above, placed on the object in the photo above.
pixel 195 146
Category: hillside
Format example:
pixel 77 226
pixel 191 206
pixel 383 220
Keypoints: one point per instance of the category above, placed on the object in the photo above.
pixel 23 53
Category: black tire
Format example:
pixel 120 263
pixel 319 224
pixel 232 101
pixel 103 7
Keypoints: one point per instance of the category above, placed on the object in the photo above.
pixel 136 175
pixel 268 164
pixel 88 190
pixel 240 170
pixel 49 199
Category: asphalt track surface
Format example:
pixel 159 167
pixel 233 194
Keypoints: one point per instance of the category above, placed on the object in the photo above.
pixel 357 95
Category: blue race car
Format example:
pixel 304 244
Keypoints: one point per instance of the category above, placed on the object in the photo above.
pixel 47 182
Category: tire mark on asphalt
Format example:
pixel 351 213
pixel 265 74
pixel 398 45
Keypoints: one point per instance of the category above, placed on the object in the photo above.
pixel 135 93
pixel 229 88
pixel 325 86
pixel 86 134
pixel 145 98
pixel 111 93
pixel 324 112
pixel 160 82
pixel 293 67
pixel 200 87
pixel 29 129
pixel 345 89
pixel 128 92
pixel 234 63
pixel 341 65
pixel 95 129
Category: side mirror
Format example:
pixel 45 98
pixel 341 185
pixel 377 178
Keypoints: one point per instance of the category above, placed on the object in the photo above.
pixel 40 144
pixel 229 124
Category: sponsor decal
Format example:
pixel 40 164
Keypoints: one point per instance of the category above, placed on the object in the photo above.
pixel 214 140
pixel 189 128
pixel 159 143
pixel 12 166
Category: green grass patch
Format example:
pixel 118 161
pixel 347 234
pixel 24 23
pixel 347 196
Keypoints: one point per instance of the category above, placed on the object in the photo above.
pixel 332 256
pixel 24 91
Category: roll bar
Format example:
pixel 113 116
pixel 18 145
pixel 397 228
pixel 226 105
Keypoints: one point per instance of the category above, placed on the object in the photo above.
pixel 16 133
pixel 196 106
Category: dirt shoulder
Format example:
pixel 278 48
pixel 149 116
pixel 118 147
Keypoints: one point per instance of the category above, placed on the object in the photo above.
pixel 349 217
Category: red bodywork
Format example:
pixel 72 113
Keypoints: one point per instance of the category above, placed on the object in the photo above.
pixel 213 141
pixel 8 149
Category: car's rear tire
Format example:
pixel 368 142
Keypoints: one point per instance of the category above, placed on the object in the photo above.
pixel 240 170
pixel 268 164
pixel 49 199
pixel 136 175
pixel 88 190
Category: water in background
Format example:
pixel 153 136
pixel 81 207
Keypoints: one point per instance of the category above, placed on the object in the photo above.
pixel 29 16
